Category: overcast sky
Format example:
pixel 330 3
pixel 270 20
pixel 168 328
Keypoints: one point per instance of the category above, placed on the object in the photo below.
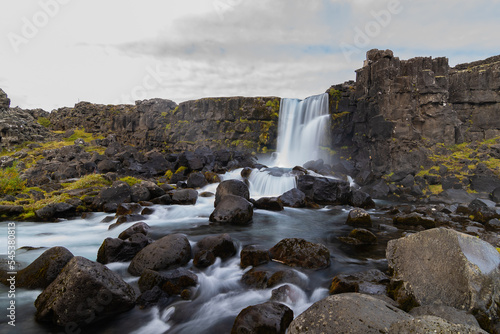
pixel 54 53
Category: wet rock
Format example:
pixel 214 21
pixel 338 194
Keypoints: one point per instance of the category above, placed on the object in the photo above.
pixel 448 313
pixel 126 219
pixel 269 317
pixel 348 313
pixel 11 210
pixel 447 267
pixel 323 190
pixel 372 282
pixel 255 278
pixel 153 189
pixel 361 199
pixel 127 209
pixel 232 210
pixel 152 297
pixel 56 210
pixel 83 293
pixel 119 250
pixel 360 236
pixel 169 252
pixel 301 253
pixel 495 195
pixel 163 200
pixel 41 272
pixel 286 276
pixel 493 224
pixel 171 282
pixel 220 245
pixel 141 228
pixel 252 256
pixel 293 198
pixel 269 203
pixel 231 187
pixel 185 197
pixel 483 210
pixel 196 180
pixel 359 217
pixel 203 259
pixel 191 160
pixel 431 324
pixel 414 219
pixel 109 198
pixel 288 294
pixel 139 193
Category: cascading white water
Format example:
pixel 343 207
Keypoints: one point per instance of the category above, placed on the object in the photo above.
pixel 302 125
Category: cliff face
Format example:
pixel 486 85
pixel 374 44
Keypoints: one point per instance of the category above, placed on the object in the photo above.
pixel 236 122
pixel 398 111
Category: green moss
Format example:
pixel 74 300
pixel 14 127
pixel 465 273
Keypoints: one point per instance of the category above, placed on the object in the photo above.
pixel 168 174
pixel 89 181
pixel 335 96
pixel 10 181
pixel 274 105
pixel 130 180
pixel 436 189
pixel 168 126
pixel 175 110
pixel 44 121
pixel 183 122
pixel 247 129
pixel 180 169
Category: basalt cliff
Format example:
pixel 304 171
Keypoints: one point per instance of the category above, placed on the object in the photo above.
pixel 408 128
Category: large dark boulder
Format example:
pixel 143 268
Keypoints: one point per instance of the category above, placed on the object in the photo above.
pixel 448 267
pixel 252 256
pixel 118 250
pixel 359 217
pixel 414 219
pixel 495 195
pixel 141 227
pixel 56 210
pixel 185 197
pixel 293 198
pixel 232 210
pixel 169 252
pixel 348 313
pixel 220 245
pixel 191 160
pixel 171 282
pixel 432 324
pixel 196 180
pixel 269 203
pixel 231 187
pixel 301 253
pixel 324 190
pixel 483 210
pixel 269 318
pixel 109 198
pixel 372 282
pixel 41 272
pixel 83 293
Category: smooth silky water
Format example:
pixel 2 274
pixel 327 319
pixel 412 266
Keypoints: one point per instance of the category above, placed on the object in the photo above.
pixel 219 295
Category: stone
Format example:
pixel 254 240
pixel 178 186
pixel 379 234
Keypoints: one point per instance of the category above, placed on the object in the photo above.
pixel 361 199
pixel 296 252
pixel 495 195
pixel 203 259
pixel 432 324
pixel 269 203
pixel 360 236
pixel 448 313
pixel 448 267
pixel 119 250
pixel 231 187
pixel 185 197
pixel 171 282
pixel 220 245
pixel 252 256
pixel 56 210
pixel 196 180
pixel 293 198
pixel 348 313
pixel 41 272
pixel 286 276
pixel 359 217
pixel 127 209
pixel 372 282
pixel 141 228
pixel 324 190
pixel 255 279
pixel 414 219
pixel 108 198
pixel 234 210
pixel 83 293
pixel 270 317
pixel 153 189
pixel 169 252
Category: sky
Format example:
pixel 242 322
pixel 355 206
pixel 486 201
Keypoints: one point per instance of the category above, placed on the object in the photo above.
pixel 55 53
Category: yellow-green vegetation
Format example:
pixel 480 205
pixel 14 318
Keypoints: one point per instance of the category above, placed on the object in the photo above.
pixel 274 105
pixel 10 181
pixel 181 169
pixel 130 180
pixel 175 110
pixel 44 121
pixel 168 126
pixel 335 96
pixel 168 174
pixel 436 189
pixel 339 115
pixel 88 181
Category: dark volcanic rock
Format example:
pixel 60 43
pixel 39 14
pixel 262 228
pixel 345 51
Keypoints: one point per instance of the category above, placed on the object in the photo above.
pixel 56 210
pixel 41 272
pixel 414 219
pixel 360 236
pixel 169 252
pixel 118 250
pixel 83 293
pixel 301 253
pixel 293 198
pixel 252 256
pixel 196 180
pixel 231 187
pixel 270 317
pixel 269 203
pixel 371 282
pixel 109 198
pixel 141 227
pixel 495 195
pixel 232 210
pixel 171 282
pixel 359 217
pixel 324 190
pixel 185 197
pixel 220 245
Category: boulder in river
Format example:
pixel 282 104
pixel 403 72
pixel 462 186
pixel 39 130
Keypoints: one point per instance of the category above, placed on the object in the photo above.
pixel 269 317
pixel 84 292
pixel 296 252
pixel 232 210
pixel 118 250
pixel 109 198
pixel 432 324
pixel 348 313
pixel 359 217
pixel 169 252
pixel 220 245
pixel 293 198
pixel 231 187
pixel 252 256
pixel 448 267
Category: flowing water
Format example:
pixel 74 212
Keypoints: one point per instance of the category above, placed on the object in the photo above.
pixel 220 294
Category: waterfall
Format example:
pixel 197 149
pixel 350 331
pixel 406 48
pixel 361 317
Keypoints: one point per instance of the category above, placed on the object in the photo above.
pixel 302 125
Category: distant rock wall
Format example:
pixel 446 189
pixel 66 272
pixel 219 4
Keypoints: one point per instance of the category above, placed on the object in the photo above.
pixel 241 123
pixel 397 110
